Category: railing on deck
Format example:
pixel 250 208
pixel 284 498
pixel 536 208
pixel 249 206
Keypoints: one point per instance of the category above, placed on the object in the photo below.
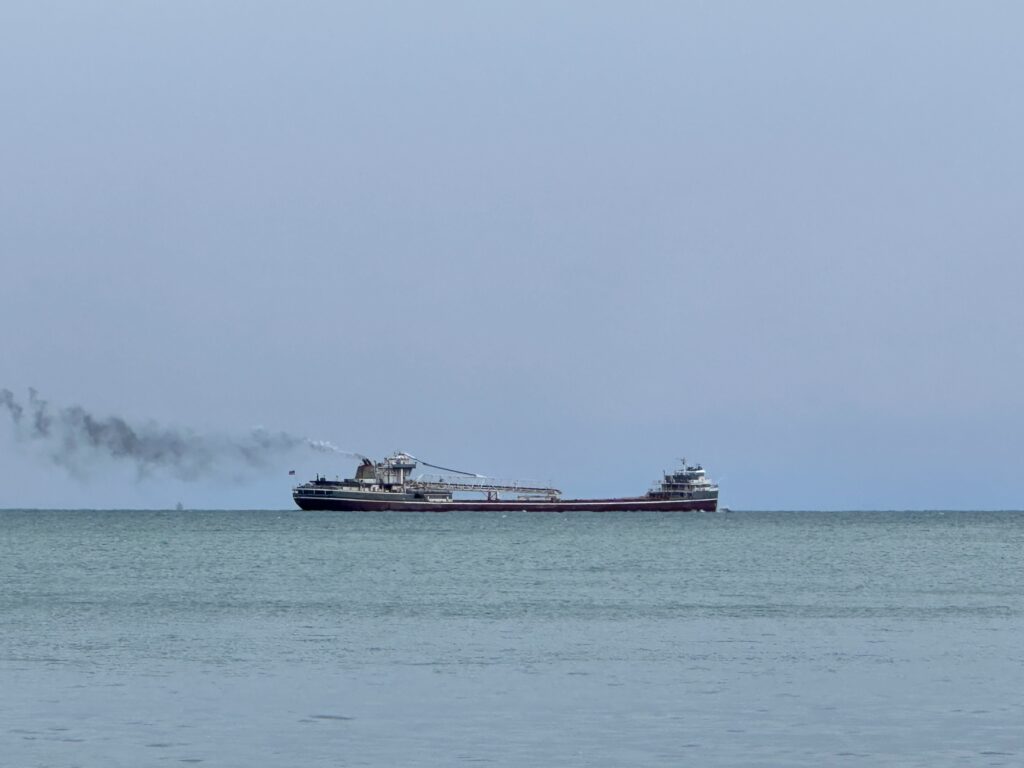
pixel 443 484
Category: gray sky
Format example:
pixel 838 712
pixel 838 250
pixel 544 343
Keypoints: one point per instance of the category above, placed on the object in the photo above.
pixel 563 241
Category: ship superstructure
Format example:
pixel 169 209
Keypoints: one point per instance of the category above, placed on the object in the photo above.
pixel 388 485
pixel 687 482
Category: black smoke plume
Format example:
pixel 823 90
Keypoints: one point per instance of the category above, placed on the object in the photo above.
pixel 73 438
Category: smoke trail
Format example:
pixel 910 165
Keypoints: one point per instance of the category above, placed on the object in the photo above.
pixel 72 438
pixel 325 446
pixel 7 400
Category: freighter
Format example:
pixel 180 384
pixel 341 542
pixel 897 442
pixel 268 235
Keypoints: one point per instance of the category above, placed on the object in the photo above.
pixel 388 485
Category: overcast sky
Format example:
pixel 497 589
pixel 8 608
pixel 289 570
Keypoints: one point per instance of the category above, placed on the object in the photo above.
pixel 559 241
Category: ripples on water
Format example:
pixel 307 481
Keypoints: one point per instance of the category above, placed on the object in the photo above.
pixel 315 639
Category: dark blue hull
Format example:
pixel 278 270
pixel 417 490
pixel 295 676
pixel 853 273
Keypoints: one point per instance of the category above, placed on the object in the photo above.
pixel 635 504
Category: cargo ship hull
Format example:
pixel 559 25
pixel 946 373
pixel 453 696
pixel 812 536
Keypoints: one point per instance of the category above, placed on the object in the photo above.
pixel 387 486
pixel 636 504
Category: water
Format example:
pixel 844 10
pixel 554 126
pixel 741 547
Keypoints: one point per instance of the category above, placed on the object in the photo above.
pixel 134 638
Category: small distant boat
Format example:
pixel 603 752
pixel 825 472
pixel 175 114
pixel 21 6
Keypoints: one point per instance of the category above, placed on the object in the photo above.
pixel 389 486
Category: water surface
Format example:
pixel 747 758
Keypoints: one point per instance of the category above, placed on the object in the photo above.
pixel 134 638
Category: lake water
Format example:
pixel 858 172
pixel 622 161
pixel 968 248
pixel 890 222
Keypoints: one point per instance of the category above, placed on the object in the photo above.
pixel 136 638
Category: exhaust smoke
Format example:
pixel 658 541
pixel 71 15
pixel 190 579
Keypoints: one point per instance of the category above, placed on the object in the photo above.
pixel 73 438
